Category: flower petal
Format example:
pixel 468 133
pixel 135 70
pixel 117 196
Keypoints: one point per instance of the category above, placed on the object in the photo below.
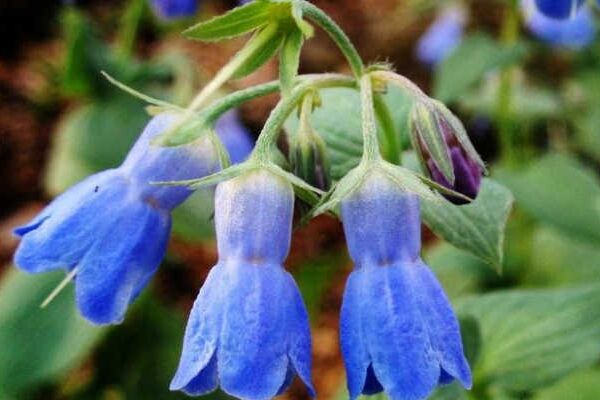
pixel 252 352
pixel 61 234
pixel 442 324
pixel 300 353
pixel 356 358
pixel 196 373
pixel 121 260
pixel 147 163
pixel 397 338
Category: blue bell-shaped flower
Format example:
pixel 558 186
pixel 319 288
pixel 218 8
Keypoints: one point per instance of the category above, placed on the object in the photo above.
pixel 111 229
pixel 173 9
pixel 442 37
pixel 558 9
pixel 248 330
pixel 575 33
pixel 399 333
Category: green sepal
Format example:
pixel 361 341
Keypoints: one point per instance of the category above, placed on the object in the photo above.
pixel 407 180
pixel 307 29
pixel 289 59
pixel 342 189
pixel 459 131
pixel 210 180
pixel 180 134
pixel 291 178
pixel 222 153
pixel 165 105
pixel 426 132
pixel 236 22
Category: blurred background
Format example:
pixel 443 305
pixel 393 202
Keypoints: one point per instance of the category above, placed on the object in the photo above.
pixel 526 87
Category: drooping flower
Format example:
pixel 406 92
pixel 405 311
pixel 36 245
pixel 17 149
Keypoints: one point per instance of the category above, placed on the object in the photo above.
pixel 399 333
pixel 573 33
pixel 445 151
pixel 248 330
pixel 173 9
pixel 558 9
pixel 111 229
pixel 442 37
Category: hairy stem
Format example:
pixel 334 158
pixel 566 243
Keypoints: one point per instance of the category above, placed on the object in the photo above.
pixel 369 126
pixel 272 128
pixel 337 34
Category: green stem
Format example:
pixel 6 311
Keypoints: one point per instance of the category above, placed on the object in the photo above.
pixel 369 126
pixel 129 26
pixel 400 82
pixel 508 36
pixel 390 145
pixel 230 69
pixel 224 74
pixel 270 132
pixel 212 112
pixel 337 34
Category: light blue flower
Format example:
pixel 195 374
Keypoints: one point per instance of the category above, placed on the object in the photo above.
pixel 574 33
pixel 111 229
pixel 442 37
pixel 399 333
pixel 173 9
pixel 558 9
pixel 248 330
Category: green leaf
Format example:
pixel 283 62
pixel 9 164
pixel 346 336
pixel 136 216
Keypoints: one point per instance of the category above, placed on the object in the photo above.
pixel 39 345
pixel 477 227
pixel 314 278
pixel 459 272
pixel 582 385
pixel 531 338
pixel 454 77
pixel 559 260
pixel 450 392
pixel 559 191
pixel 529 102
pixel 93 138
pixel 289 60
pixel 260 55
pixel 192 220
pixel 236 22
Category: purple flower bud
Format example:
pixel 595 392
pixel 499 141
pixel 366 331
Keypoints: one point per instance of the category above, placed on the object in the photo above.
pixel 173 9
pixel 398 331
pixel 248 330
pixel 445 151
pixel 442 37
pixel 112 228
pixel 558 9
pixel 574 33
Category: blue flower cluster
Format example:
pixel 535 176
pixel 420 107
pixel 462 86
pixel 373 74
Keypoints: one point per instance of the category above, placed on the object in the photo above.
pixel 111 230
pixel 248 331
